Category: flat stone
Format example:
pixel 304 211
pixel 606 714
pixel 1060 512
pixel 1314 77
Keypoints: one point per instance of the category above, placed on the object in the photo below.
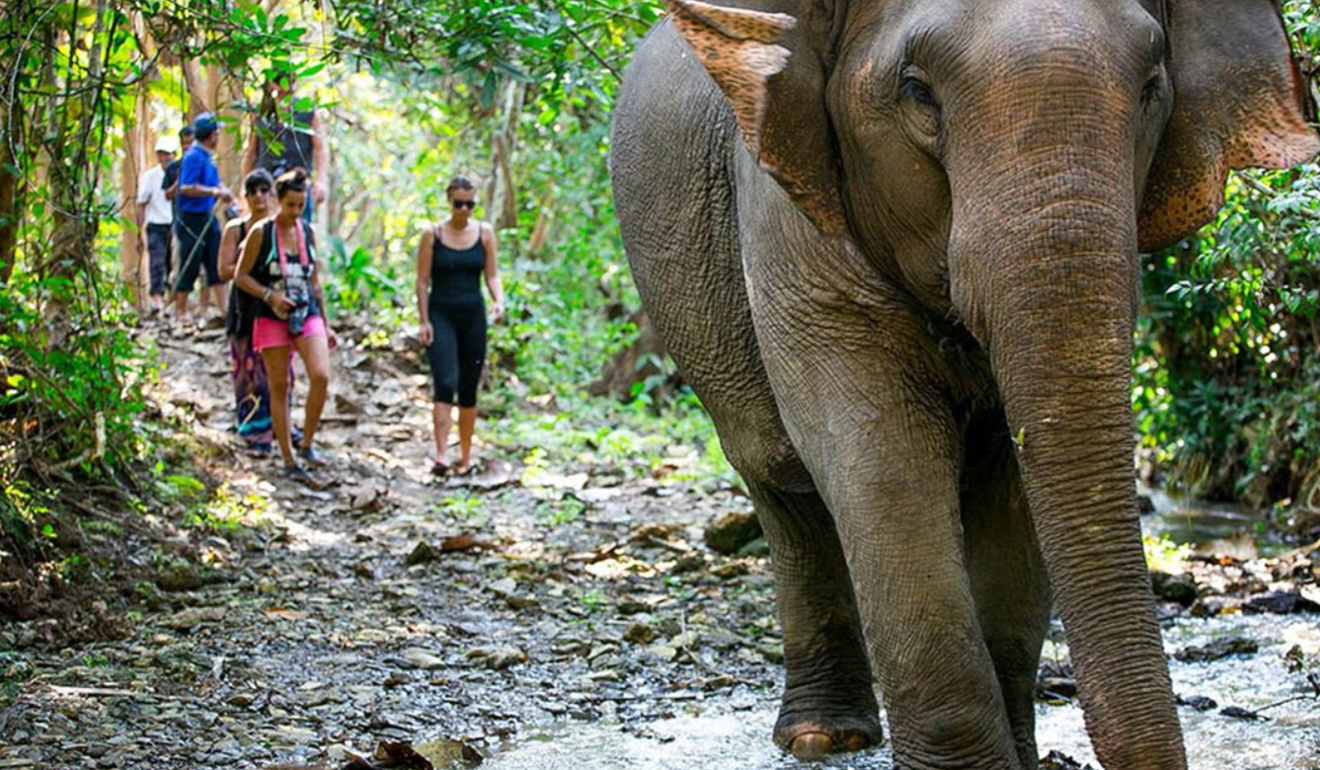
pixel 1220 648
pixel 503 587
pixel 423 659
pixel 640 633
pixel 191 618
pixel 1174 588
pixel 422 553
pixel 288 735
pixel 1280 603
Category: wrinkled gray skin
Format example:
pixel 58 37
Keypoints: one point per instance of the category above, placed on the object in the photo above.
pixel 910 316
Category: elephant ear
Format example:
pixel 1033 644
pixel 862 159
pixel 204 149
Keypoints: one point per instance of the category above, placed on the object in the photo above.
pixel 1239 101
pixel 778 97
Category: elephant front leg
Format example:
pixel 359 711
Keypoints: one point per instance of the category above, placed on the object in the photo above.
pixel 1007 573
pixel 892 481
pixel 828 704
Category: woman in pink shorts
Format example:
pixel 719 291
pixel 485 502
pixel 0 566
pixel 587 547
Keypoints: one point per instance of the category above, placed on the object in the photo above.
pixel 278 266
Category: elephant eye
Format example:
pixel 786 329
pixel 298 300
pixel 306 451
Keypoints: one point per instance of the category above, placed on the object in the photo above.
pixel 1151 91
pixel 919 92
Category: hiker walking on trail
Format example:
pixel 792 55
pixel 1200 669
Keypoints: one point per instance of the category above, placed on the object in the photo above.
pixel 279 267
pixel 199 229
pixel 251 386
pixel 285 138
pixel 155 220
pixel 451 260
pixel 171 186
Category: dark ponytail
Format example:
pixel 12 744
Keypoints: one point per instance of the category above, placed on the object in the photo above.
pixel 291 181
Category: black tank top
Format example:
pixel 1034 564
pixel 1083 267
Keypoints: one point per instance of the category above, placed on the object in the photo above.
pixel 456 273
pixel 269 272
pixel 282 146
pixel 242 306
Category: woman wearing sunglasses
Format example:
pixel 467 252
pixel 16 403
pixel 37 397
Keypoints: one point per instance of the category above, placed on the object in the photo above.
pixel 451 260
pixel 251 389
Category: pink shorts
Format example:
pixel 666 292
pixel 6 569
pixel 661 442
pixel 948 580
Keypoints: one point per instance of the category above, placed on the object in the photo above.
pixel 273 333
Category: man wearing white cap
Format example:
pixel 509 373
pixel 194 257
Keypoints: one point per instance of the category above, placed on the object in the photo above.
pixel 155 217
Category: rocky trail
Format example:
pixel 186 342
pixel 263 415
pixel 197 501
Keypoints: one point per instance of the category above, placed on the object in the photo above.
pixel 392 607
pixel 580 616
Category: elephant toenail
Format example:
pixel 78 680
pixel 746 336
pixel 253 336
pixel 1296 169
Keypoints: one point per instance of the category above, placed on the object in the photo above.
pixel 856 742
pixel 810 747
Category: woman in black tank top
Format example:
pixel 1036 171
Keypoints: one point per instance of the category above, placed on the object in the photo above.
pixel 452 258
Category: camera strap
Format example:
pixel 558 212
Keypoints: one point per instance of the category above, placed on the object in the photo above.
pixel 302 251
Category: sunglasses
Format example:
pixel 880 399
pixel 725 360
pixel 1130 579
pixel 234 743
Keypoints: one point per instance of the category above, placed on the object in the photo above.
pixel 263 190
pixel 463 204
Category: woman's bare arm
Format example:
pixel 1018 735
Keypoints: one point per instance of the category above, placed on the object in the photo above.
pixel 493 284
pixel 229 247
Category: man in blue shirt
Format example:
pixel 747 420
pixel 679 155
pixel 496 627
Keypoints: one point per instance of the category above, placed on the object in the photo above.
pixel 170 184
pixel 198 228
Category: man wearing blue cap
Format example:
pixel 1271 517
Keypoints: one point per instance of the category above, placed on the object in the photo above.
pixel 198 228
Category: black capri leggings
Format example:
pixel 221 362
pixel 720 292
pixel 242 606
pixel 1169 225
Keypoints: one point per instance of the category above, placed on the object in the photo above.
pixel 458 351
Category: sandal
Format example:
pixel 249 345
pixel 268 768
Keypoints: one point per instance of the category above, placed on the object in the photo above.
pixel 473 469
pixel 312 456
pixel 299 474
pixel 441 469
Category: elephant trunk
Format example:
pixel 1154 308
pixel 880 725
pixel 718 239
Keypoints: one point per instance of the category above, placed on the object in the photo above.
pixel 1051 292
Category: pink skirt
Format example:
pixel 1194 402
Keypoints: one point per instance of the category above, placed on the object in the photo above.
pixel 273 333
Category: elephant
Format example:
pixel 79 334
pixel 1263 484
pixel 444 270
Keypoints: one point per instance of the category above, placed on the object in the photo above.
pixel 894 247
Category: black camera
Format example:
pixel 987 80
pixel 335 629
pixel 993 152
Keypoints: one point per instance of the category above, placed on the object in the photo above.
pixel 302 308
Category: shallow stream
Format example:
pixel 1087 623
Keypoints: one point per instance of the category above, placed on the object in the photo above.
pixel 732 732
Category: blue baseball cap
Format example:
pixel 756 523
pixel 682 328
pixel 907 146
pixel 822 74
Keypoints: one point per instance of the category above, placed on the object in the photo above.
pixel 205 125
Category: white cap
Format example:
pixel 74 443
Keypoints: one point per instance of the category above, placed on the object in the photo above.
pixel 163 144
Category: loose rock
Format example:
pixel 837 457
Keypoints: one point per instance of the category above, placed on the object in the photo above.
pixel 731 532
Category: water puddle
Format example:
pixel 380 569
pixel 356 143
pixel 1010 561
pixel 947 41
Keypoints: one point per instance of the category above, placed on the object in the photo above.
pixel 1209 527
pixel 1288 739
pixel 712 741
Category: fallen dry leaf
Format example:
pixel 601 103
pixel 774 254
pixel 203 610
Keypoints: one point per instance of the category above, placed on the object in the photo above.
pixel 465 542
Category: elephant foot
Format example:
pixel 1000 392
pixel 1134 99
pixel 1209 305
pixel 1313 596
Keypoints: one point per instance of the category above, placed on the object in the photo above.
pixel 810 741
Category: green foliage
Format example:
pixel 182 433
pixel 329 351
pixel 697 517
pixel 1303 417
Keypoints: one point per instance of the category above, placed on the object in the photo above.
pixel 357 281
pixel 181 489
pixel 628 439
pixel 592 600
pixel 463 505
pixel 1227 383
pixel 1164 555
pixel 225 511
pixel 25 516
pixel 556 513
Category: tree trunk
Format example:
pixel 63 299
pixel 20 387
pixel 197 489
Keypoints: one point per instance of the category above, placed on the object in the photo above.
pixel 196 89
pixel 541 230
pixel 11 197
pixel 138 157
pixel 222 94
pixel 504 194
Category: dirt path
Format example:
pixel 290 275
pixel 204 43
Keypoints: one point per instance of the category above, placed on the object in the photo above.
pixel 389 607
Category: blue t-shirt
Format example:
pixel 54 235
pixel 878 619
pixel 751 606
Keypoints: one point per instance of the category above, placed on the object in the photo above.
pixel 198 169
